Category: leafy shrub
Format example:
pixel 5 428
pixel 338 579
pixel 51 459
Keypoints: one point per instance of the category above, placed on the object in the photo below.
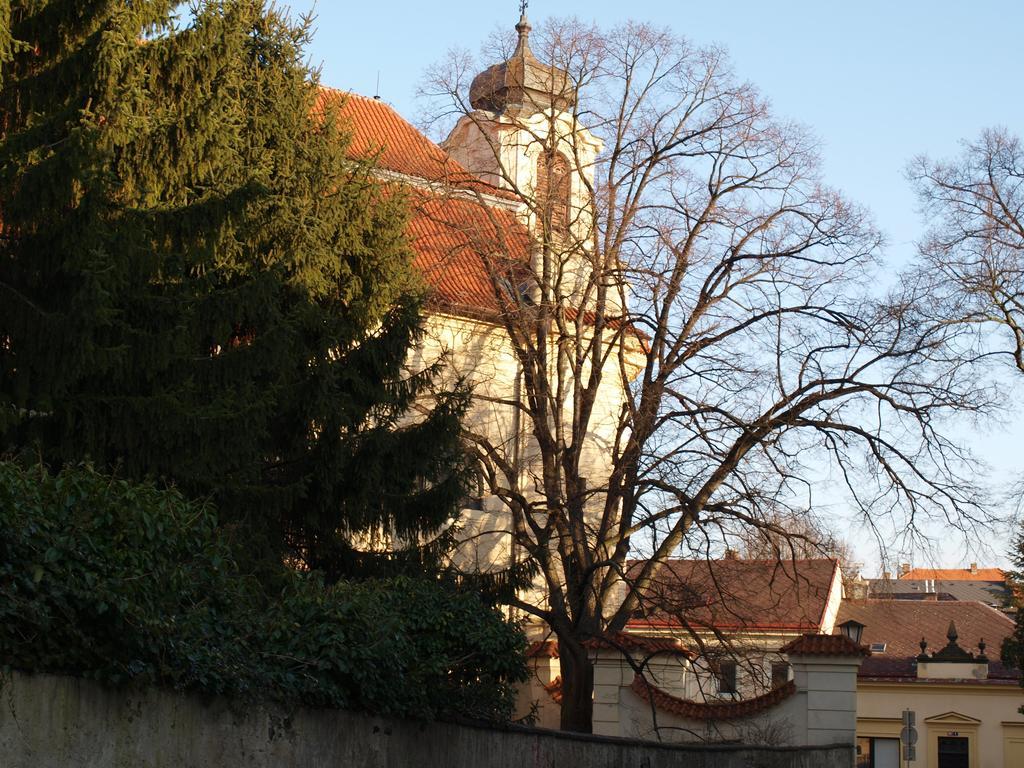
pixel 124 582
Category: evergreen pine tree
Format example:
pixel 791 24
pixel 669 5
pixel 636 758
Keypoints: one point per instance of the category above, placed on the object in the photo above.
pixel 198 287
pixel 6 41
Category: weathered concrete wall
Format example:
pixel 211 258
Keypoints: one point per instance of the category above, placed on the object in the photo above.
pixel 58 721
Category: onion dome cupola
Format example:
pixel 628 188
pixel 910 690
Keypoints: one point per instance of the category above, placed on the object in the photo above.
pixel 522 84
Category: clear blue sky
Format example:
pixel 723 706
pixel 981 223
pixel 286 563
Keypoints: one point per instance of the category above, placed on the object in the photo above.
pixel 877 82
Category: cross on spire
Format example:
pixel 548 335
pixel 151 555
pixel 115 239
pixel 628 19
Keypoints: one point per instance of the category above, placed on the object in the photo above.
pixel 523 4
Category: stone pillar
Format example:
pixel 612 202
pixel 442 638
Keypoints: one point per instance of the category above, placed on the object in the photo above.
pixel 825 673
pixel 609 671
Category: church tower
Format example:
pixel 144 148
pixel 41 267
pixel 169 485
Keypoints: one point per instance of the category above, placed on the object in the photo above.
pixel 523 136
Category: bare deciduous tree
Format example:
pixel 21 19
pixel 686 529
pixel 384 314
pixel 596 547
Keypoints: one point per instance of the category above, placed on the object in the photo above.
pixel 973 254
pixel 696 325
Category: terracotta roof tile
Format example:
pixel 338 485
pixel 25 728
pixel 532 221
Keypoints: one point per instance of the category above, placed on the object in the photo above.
pixel 694 710
pixel 824 645
pixel 554 689
pixel 459 243
pixel 453 229
pixel 375 129
pixel 955 574
pixel 901 624
pixel 542 649
pixel 730 595
pixel 904 669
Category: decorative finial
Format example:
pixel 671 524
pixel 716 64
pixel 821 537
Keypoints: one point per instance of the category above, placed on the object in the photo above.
pixel 951 634
pixel 924 646
pixel 523 29
pixel 981 646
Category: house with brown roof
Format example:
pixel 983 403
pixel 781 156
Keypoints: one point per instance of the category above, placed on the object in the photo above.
pixel 721 650
pixel 939 659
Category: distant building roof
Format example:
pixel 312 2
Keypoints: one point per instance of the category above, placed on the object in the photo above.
pixel 901 624
pixel 730 595
pixel 994 593
pixel 955 574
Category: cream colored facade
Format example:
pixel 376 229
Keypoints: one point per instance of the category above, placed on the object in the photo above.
pixel 817 707
pixel 984 714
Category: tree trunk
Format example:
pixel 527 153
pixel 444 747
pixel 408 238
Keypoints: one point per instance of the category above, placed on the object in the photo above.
pixel 577 688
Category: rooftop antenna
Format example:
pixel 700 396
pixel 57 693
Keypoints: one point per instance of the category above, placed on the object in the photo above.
pixel 376 93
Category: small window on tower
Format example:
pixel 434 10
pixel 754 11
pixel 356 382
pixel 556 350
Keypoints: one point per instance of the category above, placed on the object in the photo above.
pixel 553 192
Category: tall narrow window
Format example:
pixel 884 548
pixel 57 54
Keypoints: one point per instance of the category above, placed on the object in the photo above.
pixel 554 188
pixel 726 677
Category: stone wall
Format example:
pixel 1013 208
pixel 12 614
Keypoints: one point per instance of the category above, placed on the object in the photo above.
pixel 47 720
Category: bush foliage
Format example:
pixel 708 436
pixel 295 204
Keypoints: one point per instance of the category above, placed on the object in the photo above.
pixel 125 582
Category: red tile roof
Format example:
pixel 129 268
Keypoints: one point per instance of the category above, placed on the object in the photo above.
pixel 905 670
pixel 459 244
pixel 955 574
pixel 823 645
pixel 376 129
pixel 464 230
pixel 454 231
pixel 901 624
pixel 554 689
pixel 730 595
pixel 694 710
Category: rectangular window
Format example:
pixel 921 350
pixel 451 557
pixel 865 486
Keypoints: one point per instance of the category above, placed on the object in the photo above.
pixel 953 752
pixel 878 753
pixel 780 673
pixel 726 677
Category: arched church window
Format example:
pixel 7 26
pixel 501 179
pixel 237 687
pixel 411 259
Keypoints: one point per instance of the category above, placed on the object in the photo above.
pixel 553 191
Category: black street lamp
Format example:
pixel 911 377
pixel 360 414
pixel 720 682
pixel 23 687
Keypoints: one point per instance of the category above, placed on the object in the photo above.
pixel 852 629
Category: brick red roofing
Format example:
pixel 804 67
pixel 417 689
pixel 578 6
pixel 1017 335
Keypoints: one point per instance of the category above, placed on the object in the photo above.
pixel 453 229
pixel 554 689
pixel 459 243
pixel 900 624
pixel 955 574
pixel 730 595
pixel 824 645
pixel 376 129
pixel 694 710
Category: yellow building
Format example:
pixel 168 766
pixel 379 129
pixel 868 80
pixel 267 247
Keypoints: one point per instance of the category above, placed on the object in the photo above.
pixel 938 659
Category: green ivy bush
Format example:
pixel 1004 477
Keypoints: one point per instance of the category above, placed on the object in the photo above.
pixel 125 582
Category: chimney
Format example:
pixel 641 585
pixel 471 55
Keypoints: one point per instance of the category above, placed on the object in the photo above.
pixel 974 568
pixel 886 575
pixel 731 554
pixel 904 569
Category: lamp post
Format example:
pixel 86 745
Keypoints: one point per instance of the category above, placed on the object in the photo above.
pixel 852 629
